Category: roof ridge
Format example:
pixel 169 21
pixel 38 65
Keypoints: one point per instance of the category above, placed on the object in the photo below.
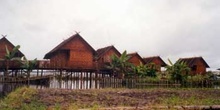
pixel 103 50
pixel 66 41
pixel 151 57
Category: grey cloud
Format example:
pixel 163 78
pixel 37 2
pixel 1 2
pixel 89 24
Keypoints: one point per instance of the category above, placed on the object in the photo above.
pixel 170 28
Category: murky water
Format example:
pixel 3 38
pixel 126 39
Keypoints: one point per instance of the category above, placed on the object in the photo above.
pixel 74 84
pixel 6 88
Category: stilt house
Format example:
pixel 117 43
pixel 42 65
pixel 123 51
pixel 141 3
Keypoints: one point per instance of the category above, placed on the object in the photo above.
pixel 73 53
pixel 135 59
pixel 104 56
pixel 3 43
pixel 156 60
pixel 196 64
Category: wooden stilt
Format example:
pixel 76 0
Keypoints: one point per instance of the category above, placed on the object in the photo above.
pixel 42 72
pixel 37 72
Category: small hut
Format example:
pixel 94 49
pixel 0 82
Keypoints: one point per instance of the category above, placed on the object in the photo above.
pixel 156 60
pixel 135 59
pixel 73 53
pixel 104 56
pixel 196 64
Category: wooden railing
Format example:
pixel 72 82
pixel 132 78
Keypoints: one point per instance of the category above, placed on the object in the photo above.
pixel 11 64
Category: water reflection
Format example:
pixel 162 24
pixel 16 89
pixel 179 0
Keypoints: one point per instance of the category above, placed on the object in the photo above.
pixel 74 84
pixel 6 88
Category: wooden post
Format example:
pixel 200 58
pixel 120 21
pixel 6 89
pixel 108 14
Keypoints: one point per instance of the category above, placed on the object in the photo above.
pixel 90 78
pixel 87 76
pixel 81 79
pixel 61 73
pixel 42 72
pixel 37 72
pixel 96 73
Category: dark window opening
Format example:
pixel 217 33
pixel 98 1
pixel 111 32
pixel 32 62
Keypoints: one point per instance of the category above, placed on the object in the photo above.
pixel 194 68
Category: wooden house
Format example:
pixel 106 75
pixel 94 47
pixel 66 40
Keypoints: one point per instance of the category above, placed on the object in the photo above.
pixel 156 60
pixel 3 43
pixel 104 56
pixel 196 64
pixel 135 59
pixel 72 53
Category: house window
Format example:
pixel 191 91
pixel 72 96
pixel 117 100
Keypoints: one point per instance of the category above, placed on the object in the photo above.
pixel 194 68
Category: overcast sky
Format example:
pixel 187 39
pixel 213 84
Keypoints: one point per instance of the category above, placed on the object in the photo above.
pixel 168 28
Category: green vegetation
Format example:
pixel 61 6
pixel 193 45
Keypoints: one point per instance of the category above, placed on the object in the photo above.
pixel 120 65
pixel 192 97
pixel 178 71
pixel 28 65
pixel 59 99
pixel 10 56
pixel 23 99
pixel 143 71
pixel 122 68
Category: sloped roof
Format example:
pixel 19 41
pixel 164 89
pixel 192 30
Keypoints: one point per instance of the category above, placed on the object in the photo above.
pixel 58 47
pixel 4 39
pixel 131 55
pixel 151 59
pixel 192 61
pixel 100 52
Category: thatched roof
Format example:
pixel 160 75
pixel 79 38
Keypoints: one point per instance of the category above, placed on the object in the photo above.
pixel 148 60
pixel 59 47
pixel 192 61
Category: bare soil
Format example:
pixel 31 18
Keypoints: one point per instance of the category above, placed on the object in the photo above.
pixel 122 97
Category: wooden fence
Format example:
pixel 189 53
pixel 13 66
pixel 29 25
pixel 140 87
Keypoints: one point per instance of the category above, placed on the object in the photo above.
pixel 145 83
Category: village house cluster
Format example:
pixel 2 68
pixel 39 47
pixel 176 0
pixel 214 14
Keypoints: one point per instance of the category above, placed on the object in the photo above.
pixel 76 54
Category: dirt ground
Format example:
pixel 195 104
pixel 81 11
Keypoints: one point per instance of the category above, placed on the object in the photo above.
pixel 126 97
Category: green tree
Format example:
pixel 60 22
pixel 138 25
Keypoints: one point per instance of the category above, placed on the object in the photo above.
pixel 120 65
pixel 178 71
pixel 151 70
pixel 10 56
pixel 114 65
pixel 145 70
pixel 28 65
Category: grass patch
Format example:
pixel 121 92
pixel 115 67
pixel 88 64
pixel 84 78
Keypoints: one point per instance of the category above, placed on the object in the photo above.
pixel 176 100
pixel 22 98
pixel 187 96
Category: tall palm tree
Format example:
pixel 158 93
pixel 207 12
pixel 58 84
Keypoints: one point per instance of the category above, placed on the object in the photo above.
pixel 178 71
